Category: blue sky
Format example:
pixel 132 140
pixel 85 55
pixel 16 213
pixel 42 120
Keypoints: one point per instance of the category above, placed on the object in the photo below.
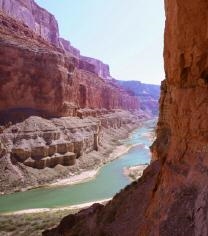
pixel 126 34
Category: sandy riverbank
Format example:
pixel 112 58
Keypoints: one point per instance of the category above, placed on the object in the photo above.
pixel 76 179
pixel 42 218
pixel 121 150
pixel 91 174
pixel 80 178
pixel 42 210
pixel 88 164
pixel 135 172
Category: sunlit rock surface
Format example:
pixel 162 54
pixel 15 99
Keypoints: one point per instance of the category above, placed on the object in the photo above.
pixel 38 78
pixel 33 16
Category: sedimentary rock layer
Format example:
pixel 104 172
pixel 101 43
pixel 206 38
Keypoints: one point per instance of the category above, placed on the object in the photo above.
pixel 37 78
pixel 148 94
pixel 38 150
pixel 171 197
pixel 44 24
pixel 36 18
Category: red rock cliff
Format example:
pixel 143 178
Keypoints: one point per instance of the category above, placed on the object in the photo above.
pixel 35 17
pixel 171 197
pixel 44 24
pixel 37 77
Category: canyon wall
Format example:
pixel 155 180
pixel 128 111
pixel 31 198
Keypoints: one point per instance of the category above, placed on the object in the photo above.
pixel 101 69
pixel 148 94
pixel 45 25
pixel 171 197
pixel 38 78
pixel 36 18
pixel 55 105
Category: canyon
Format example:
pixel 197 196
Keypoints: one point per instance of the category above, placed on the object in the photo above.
pixel 61 113
pixel 171 196
pixel 46 81
pixel 51 76
pixel 148 94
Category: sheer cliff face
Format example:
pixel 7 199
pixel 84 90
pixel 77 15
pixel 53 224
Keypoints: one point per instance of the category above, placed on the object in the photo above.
pixel 45 25
pixel 101 69
pixel 182 128
pixel 148 94
pixel 40 79
pixel 171 197
pixel 36 18
pixel 183 103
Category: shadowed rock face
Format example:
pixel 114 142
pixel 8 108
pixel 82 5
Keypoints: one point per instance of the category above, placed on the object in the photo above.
pixel 171 197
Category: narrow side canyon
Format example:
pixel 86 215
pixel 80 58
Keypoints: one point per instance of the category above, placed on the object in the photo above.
pixel 171 196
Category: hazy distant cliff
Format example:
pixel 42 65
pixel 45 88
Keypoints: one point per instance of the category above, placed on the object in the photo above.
pixel 35 17
pixel 171 197
pixel 148 94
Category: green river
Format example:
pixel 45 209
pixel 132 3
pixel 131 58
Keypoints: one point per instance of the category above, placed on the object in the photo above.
pixel 107 183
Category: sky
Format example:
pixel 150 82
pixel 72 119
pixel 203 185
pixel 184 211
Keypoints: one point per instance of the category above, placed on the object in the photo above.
pixel 126 34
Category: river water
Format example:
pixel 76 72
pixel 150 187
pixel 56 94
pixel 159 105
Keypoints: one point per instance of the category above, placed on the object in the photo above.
pixel 107 183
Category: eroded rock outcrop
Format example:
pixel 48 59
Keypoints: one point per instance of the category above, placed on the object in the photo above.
pixel 41 143
pixel 38 150
pixel 171 196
